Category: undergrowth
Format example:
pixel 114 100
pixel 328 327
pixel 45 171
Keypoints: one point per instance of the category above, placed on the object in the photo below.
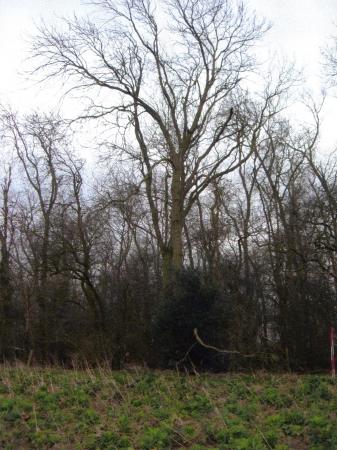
pixel 102 409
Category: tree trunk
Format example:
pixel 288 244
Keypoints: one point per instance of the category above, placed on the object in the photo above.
pixel 5 302
pixel 177 219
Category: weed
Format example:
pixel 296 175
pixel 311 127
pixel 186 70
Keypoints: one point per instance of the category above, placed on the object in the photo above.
pixel 156 437
pixel 197 405
pixel 271 396
pixel 90 410
pixel 44 439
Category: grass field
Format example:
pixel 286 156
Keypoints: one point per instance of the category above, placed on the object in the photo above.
pixel 98 409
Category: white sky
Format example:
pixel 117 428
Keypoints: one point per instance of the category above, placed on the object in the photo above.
pixel 300 29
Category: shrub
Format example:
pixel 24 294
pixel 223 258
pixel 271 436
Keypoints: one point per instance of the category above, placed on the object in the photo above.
pixel 189 303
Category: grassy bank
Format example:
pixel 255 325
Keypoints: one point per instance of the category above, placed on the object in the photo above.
pixel 97 409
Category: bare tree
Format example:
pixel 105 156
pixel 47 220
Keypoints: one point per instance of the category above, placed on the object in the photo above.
pixel 171 85
pixel 330 61
pixel 37 142
pixel 6 282
pixel 80 226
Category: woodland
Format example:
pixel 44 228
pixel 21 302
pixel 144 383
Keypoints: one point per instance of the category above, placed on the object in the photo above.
pixel 205 237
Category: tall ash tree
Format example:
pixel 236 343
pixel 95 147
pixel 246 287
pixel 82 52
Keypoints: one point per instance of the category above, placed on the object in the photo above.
pixel 169 72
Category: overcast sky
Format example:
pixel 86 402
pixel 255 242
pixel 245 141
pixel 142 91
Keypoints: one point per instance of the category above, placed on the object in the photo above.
pixel 300 29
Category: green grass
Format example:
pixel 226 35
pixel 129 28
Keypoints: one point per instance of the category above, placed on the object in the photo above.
pixel 99 409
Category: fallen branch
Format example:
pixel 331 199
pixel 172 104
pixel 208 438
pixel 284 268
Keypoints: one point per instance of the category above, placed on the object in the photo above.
pixel 219 350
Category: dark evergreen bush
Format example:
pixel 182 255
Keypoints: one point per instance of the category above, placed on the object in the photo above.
pixel 189 303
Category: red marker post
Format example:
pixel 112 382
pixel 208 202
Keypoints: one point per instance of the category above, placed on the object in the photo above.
pixel 332 351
